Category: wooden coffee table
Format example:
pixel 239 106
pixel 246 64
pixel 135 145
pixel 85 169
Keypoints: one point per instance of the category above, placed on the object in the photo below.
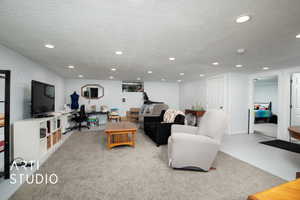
pixel 286 191
pixel 120 133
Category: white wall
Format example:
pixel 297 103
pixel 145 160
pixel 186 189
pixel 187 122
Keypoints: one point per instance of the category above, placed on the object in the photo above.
pixel 191 93
pixel 265 91
pixel 235 89
pixel 163 91
pixel 238 103
pixel 23 70
pixel 157 91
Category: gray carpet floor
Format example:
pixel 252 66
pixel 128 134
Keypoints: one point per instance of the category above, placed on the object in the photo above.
pixel 88 170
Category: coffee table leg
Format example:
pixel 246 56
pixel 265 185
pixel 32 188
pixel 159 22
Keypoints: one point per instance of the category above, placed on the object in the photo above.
pixel 133 138
pixel 108 141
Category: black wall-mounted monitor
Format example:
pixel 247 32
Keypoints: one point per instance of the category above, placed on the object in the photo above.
pixel 42 99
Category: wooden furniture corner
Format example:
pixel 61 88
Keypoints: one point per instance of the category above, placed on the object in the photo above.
pixel 286 191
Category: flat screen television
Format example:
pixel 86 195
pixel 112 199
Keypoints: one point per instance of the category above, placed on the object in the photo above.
pixel 42 99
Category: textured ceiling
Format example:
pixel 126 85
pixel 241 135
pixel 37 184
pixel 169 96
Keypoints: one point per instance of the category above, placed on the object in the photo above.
pixel 196 32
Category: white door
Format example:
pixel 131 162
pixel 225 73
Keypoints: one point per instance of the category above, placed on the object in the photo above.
pixel 215 92
pixel 295 120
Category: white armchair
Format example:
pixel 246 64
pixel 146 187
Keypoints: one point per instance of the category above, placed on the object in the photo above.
pixel 197 147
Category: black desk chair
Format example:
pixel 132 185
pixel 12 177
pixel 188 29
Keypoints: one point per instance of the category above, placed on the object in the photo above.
pixel 80 118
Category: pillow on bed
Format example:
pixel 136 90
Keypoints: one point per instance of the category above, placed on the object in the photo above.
pixel 264 106
pixel 256 106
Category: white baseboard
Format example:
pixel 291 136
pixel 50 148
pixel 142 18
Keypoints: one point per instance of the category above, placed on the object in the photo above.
pixel 238 132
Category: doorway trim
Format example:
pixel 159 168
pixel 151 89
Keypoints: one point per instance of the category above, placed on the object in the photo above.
pixel 252 78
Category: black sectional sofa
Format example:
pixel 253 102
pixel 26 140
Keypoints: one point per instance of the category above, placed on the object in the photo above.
pixel 158 130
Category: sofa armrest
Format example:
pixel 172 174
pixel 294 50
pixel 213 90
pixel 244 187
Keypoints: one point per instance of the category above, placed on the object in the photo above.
pixel 176 128
pixel 150 115
pixel 150 124
pixel 163 132
pixel 187 150
pixel 165 128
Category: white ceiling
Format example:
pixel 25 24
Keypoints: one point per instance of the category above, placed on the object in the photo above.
pixel 196 32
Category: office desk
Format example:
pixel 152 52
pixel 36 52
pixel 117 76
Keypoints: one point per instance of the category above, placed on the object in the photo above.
pixel 96 113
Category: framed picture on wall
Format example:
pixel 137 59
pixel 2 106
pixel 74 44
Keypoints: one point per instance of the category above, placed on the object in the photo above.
pixel 132 86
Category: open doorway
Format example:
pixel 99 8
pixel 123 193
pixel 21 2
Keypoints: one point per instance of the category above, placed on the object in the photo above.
pixel 295 106
pixel 265 106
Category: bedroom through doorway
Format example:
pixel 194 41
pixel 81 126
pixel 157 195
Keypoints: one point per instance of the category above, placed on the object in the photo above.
pixel 265 106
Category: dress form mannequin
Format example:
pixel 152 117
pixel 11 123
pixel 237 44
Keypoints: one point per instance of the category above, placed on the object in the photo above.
pixel 74 101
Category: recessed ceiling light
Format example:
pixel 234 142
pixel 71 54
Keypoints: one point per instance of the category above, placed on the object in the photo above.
pixel 113 69
pixel 172 58
pixel 201 75
pixel 49 46
pixel 179 81
pixel 80 76
pixel 242 19
pixel 71 67
pixel 111 77
pixel 163 79
pixel 181 74
pixel 298 36
pixel 119 52
pixel 241 51
pixel 265 68
pixel 215 63
pixel 238 66
pixel 149 72
pixel 138 78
